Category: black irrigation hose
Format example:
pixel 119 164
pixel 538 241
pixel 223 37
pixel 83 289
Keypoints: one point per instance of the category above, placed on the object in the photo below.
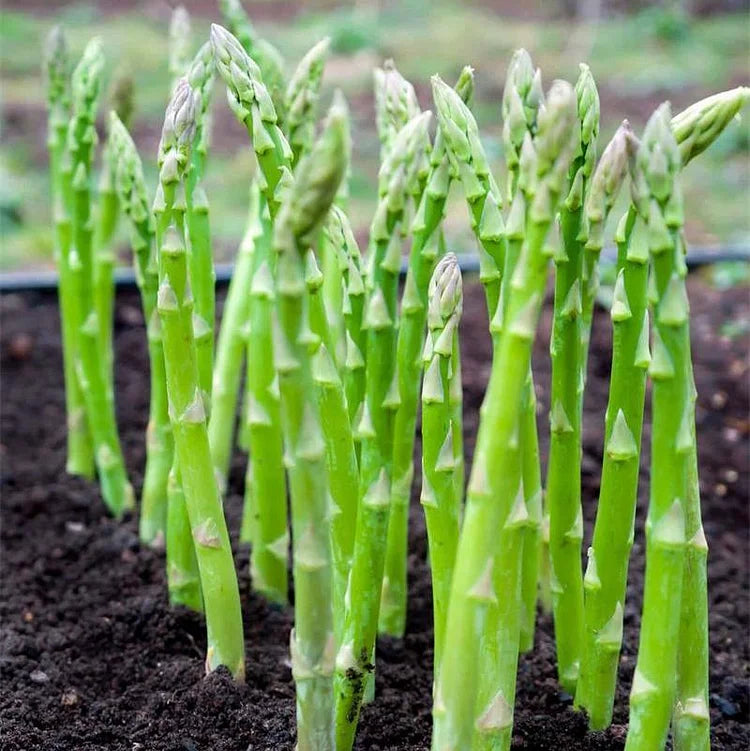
pixel 29 281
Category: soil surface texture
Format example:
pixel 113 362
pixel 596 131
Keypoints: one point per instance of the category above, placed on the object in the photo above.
pixel 92 657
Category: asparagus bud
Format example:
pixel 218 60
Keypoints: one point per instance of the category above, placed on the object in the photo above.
pixel 588 114
pixel 698 126
pixel 177 133
pixel 606 182
pixel 302 96
pixel 179 42
pixel 56 68
pixel 522 98
pixel 395 103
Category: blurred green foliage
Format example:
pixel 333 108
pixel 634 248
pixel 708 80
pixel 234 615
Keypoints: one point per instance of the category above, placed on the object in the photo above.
pixel 638 60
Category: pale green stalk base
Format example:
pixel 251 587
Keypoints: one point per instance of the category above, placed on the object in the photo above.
pixel 563 473
pixel 183 577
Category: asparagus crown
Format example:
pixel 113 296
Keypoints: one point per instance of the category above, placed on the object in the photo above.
pixel 465 84
pixel 268 58
pixel 317 179
pixel 657 161
pixel 395 102
pixel 697 127
pixel 302 95
pixel 556 142
pixel 129 181
pixel 587 98
pixel 445 293
pixel 606 182
pixel 522 99
pixel 242 76
pixel 177 132
pixel 459 128
pixel 200 76
pixel 444 307
pixel 87 80
pixel 402 166
pixel 56 69
pixel 179 42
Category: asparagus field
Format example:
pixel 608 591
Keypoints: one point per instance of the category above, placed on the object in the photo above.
pixel 327 350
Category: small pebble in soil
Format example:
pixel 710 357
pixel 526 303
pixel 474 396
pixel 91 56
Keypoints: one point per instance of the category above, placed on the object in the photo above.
pixel 69 697
pixel 38 676
pixel 726 707
pixel 75 527
pixel 21 346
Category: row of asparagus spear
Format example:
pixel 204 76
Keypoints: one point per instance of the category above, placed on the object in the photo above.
pixel 335 366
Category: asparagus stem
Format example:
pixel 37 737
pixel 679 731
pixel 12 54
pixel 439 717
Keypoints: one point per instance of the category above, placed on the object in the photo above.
pixel 440 499
pixel 267 484
pixel 116 490
pixel 186 402
pixel 490 504
pixel 411 335
pixel 656 196
pixel 606 575
pixel 341 457
pixel 312 641
pixel 566 398
pixel 131 189
pixel 80 456
pixel 522 98
pixel 353 663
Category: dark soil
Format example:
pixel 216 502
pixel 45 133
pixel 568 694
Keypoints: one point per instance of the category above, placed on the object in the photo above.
pixel 94 658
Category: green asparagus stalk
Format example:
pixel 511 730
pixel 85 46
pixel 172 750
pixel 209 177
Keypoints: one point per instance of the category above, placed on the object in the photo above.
pixel 439 497
pixel 265 495
pixel 353 663
pixel 340 238
pixel 132 197
pixel 606 573
pixel 116 490
pixel 267 57
pixel 186 402
pixel 80 455
pixel 301 98
pixel 694 130
pixel 566 399
pixel 657 197
pixel 183 577
pixel 200 75
pixel 411 334
pixel 494 482
pixel 312 641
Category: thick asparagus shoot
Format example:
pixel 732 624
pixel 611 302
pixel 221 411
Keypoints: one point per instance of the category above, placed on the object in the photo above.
pixel 80 453
pixel 411 335
pixel 656 195
pixel 187 410
pixel 375 428
pixel 312 641
pixel 490 498
pixel 91 371
pixel 566 398
pixel 440 499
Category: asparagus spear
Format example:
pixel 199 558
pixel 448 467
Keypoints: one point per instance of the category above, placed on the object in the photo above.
pixel 490 497
pixel 132 197
pixel 179 43
pixel 694 130
pixel 312 641
pixel 566 399
pixel 186 403
pixel 302 96
pixel 80 456
pixel 522 99
pixel 424 251
pixel 656 196
pixel 267 57
pixel 395 104
pixel 605 579
pixel 353 663
pixel 265 483
pixel 440 498
pixel 116 490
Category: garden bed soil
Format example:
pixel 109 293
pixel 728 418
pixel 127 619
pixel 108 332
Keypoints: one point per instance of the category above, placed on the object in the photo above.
pixel 92 657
